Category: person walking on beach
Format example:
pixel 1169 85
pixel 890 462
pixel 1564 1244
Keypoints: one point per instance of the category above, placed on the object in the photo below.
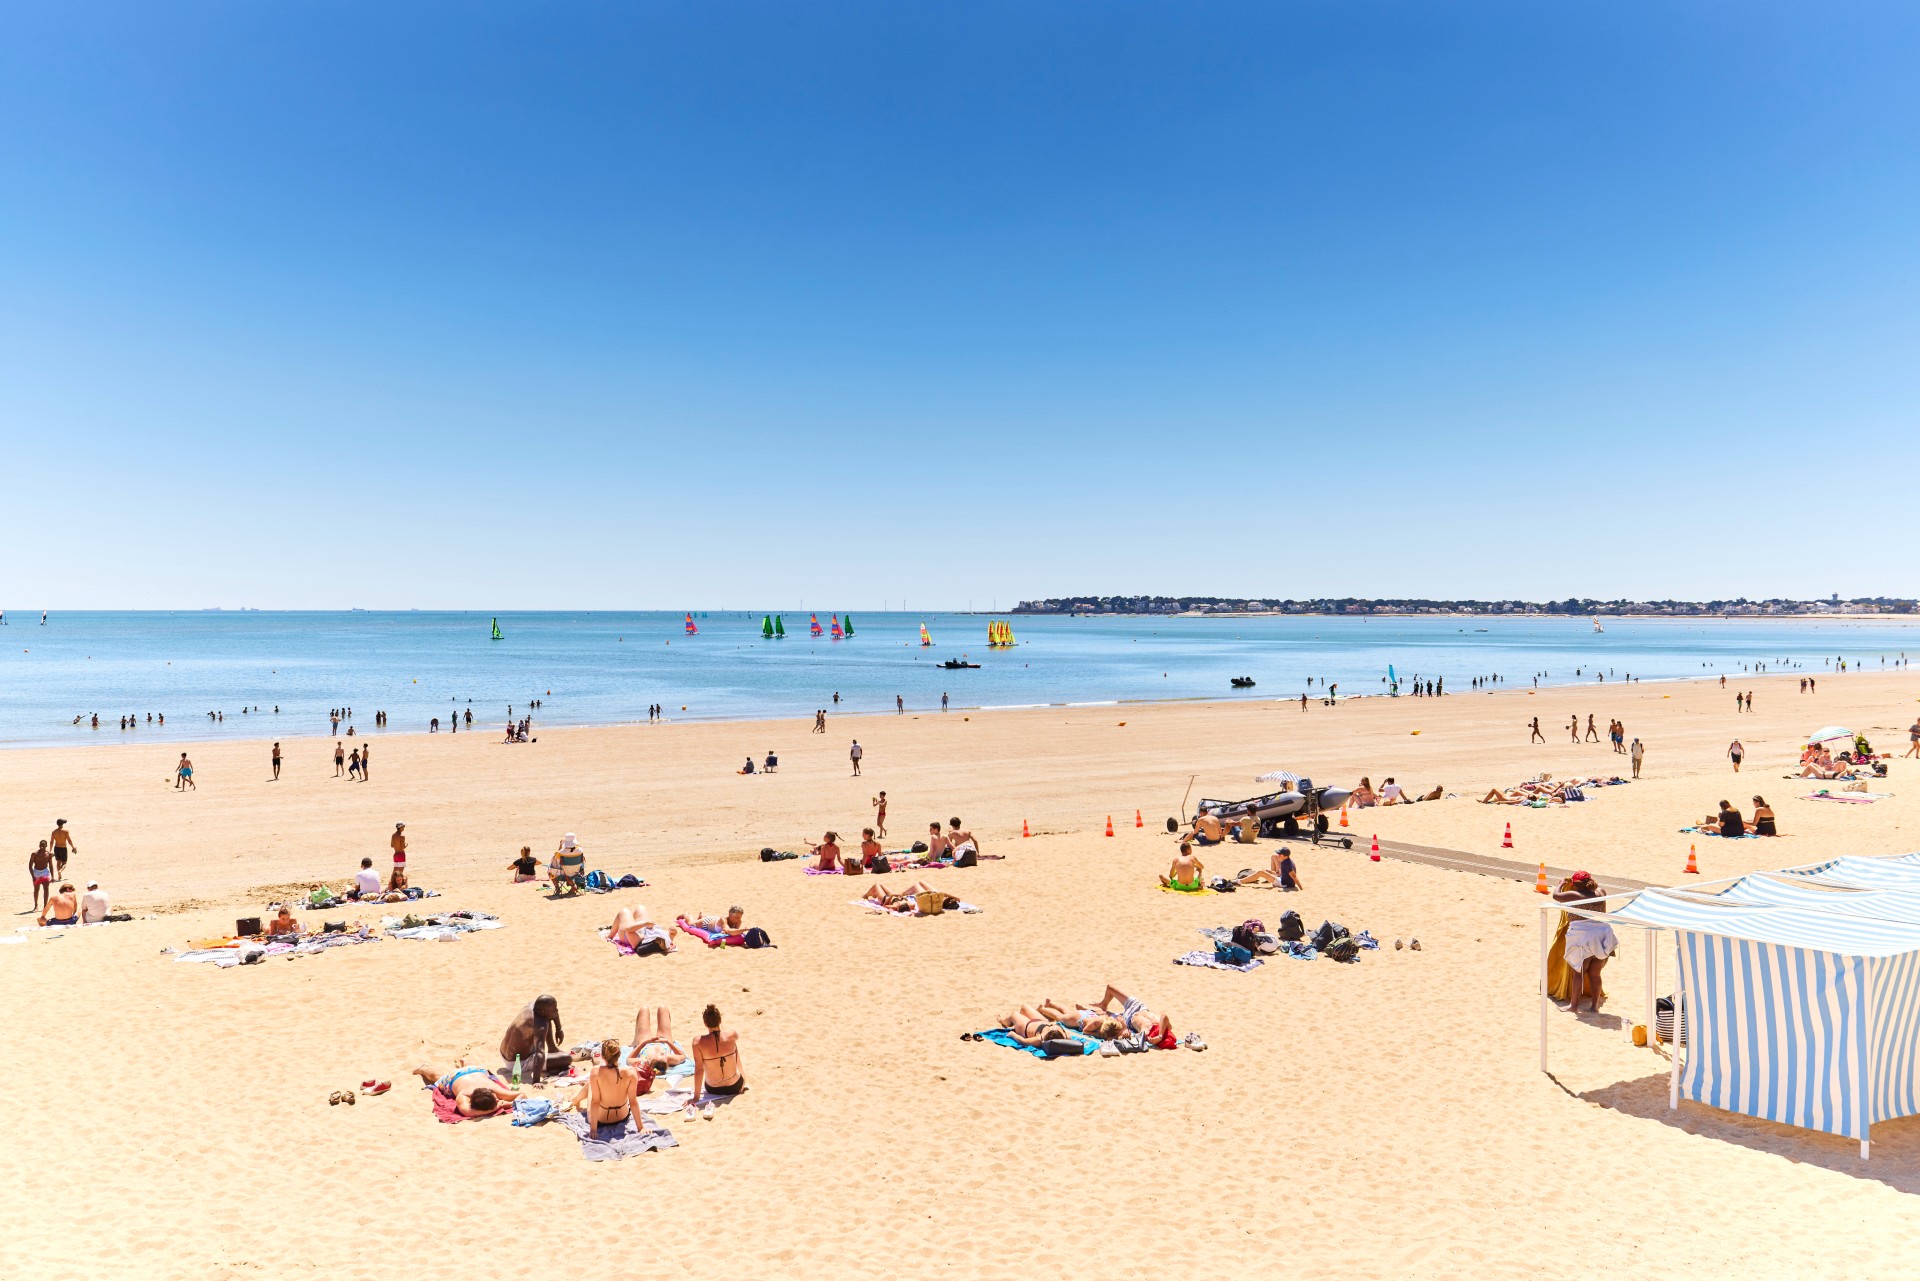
pixel 183 774
pixel 1636 753
pixel 62 846
pixel 40 870
pixel 1593 733
pixel 339 760
pixel 1913 739
pixel 1573 728
pixel 1537 737
pixel 276 762
pixel 854 754
pixel 880 815
pixel 1736 753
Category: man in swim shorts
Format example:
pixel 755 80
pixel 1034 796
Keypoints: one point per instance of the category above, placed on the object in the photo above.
pixel 40 869
pixel 399 843
pixel 63 908
pixel 63 845
pixel 475 1091
pixel 1186 871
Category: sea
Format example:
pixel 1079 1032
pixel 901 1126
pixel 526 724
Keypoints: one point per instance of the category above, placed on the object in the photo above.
pixel 247 674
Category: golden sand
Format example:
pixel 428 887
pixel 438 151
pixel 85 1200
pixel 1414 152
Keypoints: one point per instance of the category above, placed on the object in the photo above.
pixel 1381 1119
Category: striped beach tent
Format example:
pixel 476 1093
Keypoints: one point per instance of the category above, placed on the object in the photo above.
pixel 1801 996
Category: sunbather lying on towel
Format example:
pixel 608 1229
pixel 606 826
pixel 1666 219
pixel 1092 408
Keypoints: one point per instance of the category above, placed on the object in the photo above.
pixel 285 924
pixel 637 929
pixel 1186 873
pixel 475 1091
pixel 1031 1028
pixel 732 923
pixel 1157 1028
pixel 1094 1023
pixel 653 1042
pixel 907 899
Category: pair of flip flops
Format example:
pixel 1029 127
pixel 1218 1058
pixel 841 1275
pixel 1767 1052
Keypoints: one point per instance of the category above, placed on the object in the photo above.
pixel 971 1036
pixel 339 1097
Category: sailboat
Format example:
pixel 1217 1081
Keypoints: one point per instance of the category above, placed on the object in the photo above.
pixel 847 624
pixel 926 637
pixel 999 635
pixel 779 627
pixel 837 633
pixel 814 626
pixel 1597 627
pixel 691 629
pixel 766 627
pixel 496 631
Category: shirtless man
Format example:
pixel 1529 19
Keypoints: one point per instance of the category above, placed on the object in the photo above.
pixel 880 815
pixel 63 908
pixel 1157 1028
pixel 958 836
pixel 536 1037
pixel 339 759
pixel 63 845
pixel 1207 828
pixel 1537 737
pixel 40 868
pixel 475 1091
pixel 1186 871
pixel 936 843
pixel 183 774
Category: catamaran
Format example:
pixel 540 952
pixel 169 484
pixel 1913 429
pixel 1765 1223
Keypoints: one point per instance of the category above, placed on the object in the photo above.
pixel 814 625
pixel 926 637
pixel 496 631
pixel 691 629
pixel 779 627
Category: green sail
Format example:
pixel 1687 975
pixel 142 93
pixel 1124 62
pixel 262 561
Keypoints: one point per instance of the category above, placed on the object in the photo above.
pixel 779 626
pixel 846 624
pixel 496 631
pixel 766 626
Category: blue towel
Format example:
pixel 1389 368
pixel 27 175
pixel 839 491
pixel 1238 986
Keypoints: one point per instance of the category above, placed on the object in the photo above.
pixel 1212 962
pixel 532 1111
pixel 1000 1036
pixel 611 1142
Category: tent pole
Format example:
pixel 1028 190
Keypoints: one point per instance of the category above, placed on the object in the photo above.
pixel 1866 1090
pixel 1673 1049
pixel 1545 947
pixel 1653 980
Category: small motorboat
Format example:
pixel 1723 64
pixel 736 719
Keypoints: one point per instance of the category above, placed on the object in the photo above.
pixel 1243 682
pixel 954 664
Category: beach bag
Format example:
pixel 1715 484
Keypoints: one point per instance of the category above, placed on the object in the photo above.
pixel 247 926
pixel 967 858
pixel 880 866
pixel 1231 953
pixel 1067 1049
pixel 651 947
pixel 1292 930
pixel 598 881
pixel 1341 949
pixel 919 847
pixel 630 882
pixel 930 903
pixel 1575 794
pixel 645 1073
pixel 768 854
pixel 1221 885
pixel 1326 934
pixel 333 927
pixel 1663 1020
pixel 1247 934
pixel 755 937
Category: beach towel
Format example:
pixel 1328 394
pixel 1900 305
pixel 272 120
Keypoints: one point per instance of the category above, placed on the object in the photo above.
pixel 1209 961
pixel 447 1112
pixel 1744 836
pixel 533 1111
pixel 821 871
pixel 1168 889
pixel 1851 798
pixel 1000 1036
pixel 612 1142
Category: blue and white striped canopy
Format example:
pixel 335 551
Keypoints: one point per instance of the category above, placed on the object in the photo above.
pixel 1817 927
pixel 1900 873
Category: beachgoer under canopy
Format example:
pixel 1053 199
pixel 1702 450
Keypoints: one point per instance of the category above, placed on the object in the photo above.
pixel 1588 945
pixel 536 1038
pixel 1186 871
pixel 475 1091
pixel 1575 887
pixel 1157 1028
pixel 1031 1028
pixel 638 930
pixel 716 1059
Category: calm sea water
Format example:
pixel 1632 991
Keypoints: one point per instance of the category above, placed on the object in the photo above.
pixel 603 668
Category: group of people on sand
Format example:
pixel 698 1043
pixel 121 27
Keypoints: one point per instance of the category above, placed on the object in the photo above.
pixel 534 1047
pixel 54 897
pixel 955 846
pixel 1728 821
pixel 1390 793
pixel 1817 762
pixel 1188 874
pixel 1052 1020
pixel 769 766
pixel 918 897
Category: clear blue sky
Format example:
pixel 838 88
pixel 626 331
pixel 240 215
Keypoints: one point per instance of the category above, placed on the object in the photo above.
pixel 633 305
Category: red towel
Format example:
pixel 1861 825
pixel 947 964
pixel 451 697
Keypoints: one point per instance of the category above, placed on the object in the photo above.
pixel 446 1111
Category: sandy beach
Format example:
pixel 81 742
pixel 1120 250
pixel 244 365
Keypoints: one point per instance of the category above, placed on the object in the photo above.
pixel 1385 1119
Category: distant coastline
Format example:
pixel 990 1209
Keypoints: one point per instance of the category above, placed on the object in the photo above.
pixel 1573 607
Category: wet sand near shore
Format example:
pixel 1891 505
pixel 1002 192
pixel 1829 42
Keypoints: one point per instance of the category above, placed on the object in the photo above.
pixel 1387 1118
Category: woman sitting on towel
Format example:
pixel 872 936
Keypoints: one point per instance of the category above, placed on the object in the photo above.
pixel 1032 1028
pixel 1186 871
pixel 636 928
pixel 611 1089
pixel 526 867
pixel 1729 822
pixel 1157 1028
pixel 536 1037
pixel 716 1059
pixel 1095 1023
pixel 1363 796
pixel 829 852
pixel 1763 821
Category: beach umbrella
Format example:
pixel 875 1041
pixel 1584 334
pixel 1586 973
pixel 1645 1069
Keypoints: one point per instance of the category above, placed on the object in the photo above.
pixel 1280 776
pixel 1830 734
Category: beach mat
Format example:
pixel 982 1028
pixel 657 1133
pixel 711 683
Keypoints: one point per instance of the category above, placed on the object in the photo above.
pixel 613 1142
pixel 1000 1036
pixel 1168 889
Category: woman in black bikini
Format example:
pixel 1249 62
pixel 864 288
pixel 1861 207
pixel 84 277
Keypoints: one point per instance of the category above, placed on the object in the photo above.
pixel 716 1059
pixel 1031 1028
pixel 611 1089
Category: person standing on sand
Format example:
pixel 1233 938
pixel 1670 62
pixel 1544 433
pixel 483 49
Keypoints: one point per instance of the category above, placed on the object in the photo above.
pixel 1913 740
pixel 366 761
pixel 1573 728
pixel 183 774
pixel 339 760
pixel 854 754
pixel 40 870
pixel 399 843
pixel 1736 752
pixel 353 765
pixel 943 700
pixel 880 815
pixel 899 703
pixel 62 846
pixel 1637 752
pixel 1537 737
pixel 276 762
pixel 1593 733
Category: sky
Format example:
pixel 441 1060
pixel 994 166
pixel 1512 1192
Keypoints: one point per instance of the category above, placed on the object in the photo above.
pixel 631 305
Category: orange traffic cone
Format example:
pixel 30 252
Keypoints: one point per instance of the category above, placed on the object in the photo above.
pixel 1109 825
pixel 1137 820
pixel 1693 864
pixel 1343 816
pixel 1540 881
pixel 1375 856
pixel 1023 829
pixel 1506 842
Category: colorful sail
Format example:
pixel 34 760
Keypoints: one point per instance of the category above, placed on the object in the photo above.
pixel 837 633
pixel 926 637
pixel 813 624
pixel 766 627
pixel 691 629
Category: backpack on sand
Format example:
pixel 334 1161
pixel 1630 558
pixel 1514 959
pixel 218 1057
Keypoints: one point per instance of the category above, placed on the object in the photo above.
pixel 1291 928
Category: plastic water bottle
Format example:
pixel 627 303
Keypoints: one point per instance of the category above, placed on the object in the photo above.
pixel 516 1071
